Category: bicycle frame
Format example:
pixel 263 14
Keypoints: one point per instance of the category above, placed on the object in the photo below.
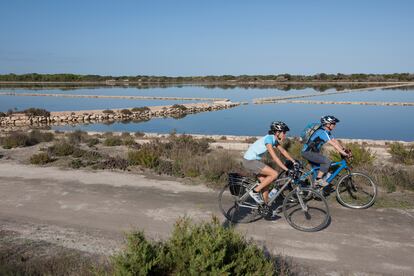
pixel 242 200
pixel 314 171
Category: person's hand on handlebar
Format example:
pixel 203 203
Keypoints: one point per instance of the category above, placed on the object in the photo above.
pixel 348 153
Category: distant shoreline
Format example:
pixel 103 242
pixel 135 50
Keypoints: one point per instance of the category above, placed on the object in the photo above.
pixel 207 82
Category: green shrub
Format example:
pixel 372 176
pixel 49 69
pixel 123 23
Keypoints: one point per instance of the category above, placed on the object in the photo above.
pixel 77 137
pixel 17 139
pixel 129 141
pixel 61 149
pixel 108 111
pixel 126 112
pixel 112 163
pixel 143 157
pixel 360 154
pixel 215 166
pixel 2 114
pixel 113 141
pixel 393 179
pixel 76 164
pixel 294 147
pixel 140 109
pixel 36 112
pixel 77 152
pixel 92 155
pixel 40 158
pixel 39 136
pixel 139 134
pixel 20 139
pixel 203 249
pixel 401 154
pixel 93 142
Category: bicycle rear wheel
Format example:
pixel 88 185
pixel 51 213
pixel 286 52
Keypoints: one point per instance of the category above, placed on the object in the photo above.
pixel 356 190
pixel 306 210
pixel 234 210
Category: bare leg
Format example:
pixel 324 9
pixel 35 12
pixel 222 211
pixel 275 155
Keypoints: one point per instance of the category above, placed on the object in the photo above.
pixel 267 175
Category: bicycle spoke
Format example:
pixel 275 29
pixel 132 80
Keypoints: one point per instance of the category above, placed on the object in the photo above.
pixel 306 213
pixel 237 212
pixel 356 190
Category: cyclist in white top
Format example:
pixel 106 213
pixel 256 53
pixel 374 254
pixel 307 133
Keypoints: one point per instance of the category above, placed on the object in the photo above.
pixel 252 159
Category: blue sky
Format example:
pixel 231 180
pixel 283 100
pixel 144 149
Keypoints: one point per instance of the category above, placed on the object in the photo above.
pixel 215 37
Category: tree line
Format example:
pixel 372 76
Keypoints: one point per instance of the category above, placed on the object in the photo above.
pixel 322 77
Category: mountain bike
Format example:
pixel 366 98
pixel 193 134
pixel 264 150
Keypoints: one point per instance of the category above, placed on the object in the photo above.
pixel 304 208
pixel 354 190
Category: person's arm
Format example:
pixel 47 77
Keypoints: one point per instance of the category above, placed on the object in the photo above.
pixel 334 143
pixel 275 158
pixel 285 153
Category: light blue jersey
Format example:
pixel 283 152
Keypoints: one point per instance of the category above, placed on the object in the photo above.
pixel 258 148
pixel 317 140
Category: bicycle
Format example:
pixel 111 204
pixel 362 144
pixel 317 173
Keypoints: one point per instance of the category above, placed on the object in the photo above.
pixel 355 190
pixel 300 208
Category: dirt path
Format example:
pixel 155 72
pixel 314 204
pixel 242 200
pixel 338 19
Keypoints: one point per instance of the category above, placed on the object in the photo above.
pixel 90 211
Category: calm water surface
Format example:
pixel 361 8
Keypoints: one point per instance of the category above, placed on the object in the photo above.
pixel 365 122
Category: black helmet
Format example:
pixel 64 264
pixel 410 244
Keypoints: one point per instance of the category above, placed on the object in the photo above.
pixel 278 126
pixel 329 119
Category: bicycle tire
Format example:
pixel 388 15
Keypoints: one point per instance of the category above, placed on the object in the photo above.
pixel 356 190
pixel 300 219
pixel 234 212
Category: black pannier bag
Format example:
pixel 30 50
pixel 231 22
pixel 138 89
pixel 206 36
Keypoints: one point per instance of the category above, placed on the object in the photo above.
pixel 238 184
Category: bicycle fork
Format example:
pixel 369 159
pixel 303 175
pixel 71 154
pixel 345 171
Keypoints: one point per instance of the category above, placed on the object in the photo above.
pixel 301 202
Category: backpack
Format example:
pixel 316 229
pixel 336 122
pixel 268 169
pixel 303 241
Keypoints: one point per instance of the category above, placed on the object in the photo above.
pixel 309 131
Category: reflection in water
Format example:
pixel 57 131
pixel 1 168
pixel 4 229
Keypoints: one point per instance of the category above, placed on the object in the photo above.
pixel 365 122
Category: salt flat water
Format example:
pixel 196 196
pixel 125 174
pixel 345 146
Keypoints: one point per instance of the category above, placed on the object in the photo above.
pixel 357 121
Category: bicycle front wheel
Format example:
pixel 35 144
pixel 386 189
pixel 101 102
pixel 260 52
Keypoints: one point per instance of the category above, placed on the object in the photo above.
pixel 356 190
pixel 306 210
pixel 234 209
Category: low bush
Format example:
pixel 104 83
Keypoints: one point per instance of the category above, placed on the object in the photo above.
pixel 401 154
pixel 112 163
pixel 140 109
pixel 61 149
pixel 17 139
pixel 92 155
pixel 112 141
pixel 39 136
pixel 179 107
pixel 294 147
pixel 360 154
pixel 139 134
pixel 78 153
pixel 76 164
pixel 93 142
pixel 40 158
pixel 108 111
pixel 77 137
pixel 2 114
pixel 392 179
pixel 215 166
pixel 126 112
pixel 128 141
pixel 20 139
pixel 36 112
pixel 144 157
pixel 195 249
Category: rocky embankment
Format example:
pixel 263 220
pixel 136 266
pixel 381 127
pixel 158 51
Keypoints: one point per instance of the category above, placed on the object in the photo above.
pixel 94 116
